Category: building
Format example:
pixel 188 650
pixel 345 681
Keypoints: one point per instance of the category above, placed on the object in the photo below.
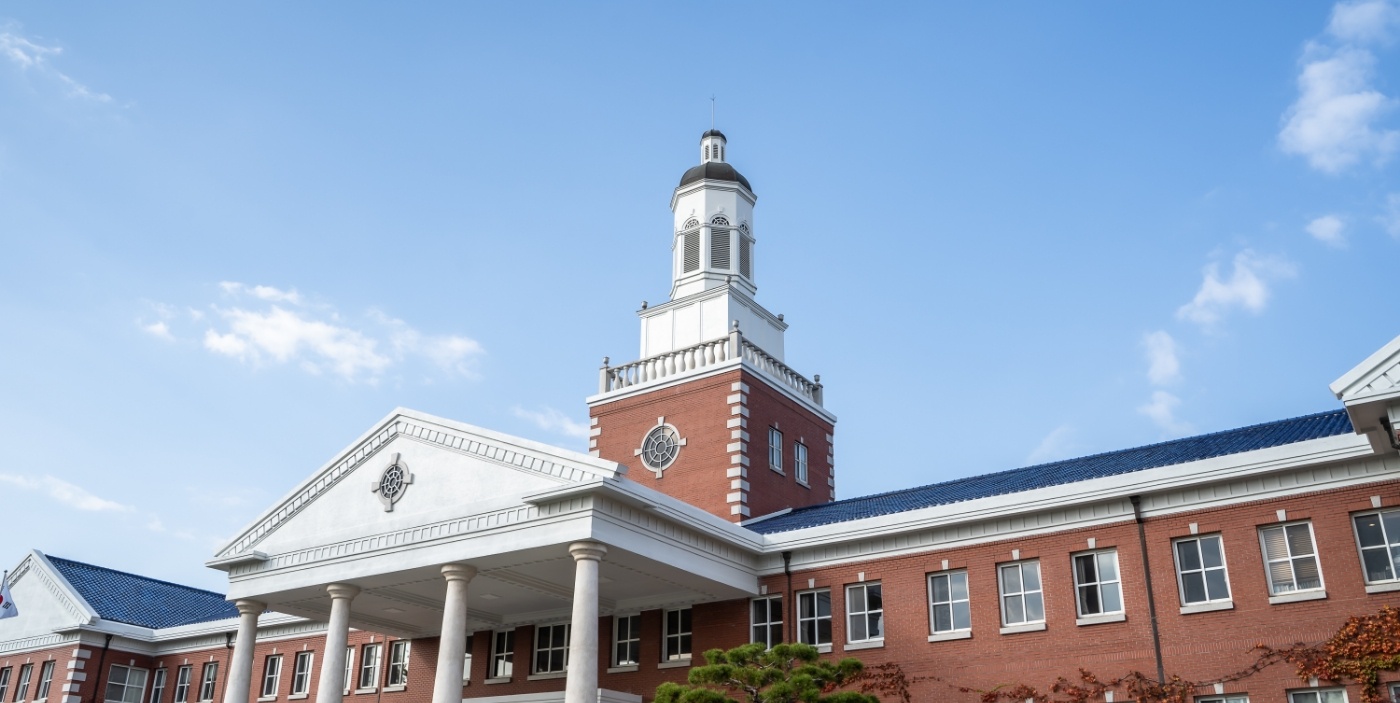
pixel 436 561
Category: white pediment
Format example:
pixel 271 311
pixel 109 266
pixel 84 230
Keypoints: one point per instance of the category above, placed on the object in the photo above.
pixel 47 605
pixel 457 469
pixel 1377 376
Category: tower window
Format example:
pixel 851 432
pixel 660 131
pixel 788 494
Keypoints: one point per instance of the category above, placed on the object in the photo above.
pixel 746 257
pixel 707 152
pixel 691 245
pixel 719 248
pixel 775 449
pixel 799 462
pixel 720 220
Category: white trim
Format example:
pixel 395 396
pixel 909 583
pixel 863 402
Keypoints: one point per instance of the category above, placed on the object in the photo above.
pixel 1101 619
pixel 1031 627
pixel 1297 596
pixel 868 644
pixel 950 635
pixel 1207 607
pixel 1383 587
pixel 674 664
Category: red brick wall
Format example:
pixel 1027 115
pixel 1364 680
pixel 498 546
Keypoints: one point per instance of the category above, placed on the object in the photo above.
pixel 772 491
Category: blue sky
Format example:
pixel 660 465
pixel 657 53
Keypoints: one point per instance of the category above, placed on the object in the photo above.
pixel 237 236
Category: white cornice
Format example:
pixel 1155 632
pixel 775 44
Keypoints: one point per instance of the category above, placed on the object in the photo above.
pixel 1383 358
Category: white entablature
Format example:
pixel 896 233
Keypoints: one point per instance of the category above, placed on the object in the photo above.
pixel 1371 394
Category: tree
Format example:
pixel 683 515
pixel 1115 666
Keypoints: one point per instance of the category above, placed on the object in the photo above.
pixel 752 673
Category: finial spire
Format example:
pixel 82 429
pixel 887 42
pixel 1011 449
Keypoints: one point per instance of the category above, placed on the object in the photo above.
pixel 712 110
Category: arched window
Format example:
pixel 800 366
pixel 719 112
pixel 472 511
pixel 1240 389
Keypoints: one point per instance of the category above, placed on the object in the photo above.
pixel 707 152
pixel 746 257
pixel 720 220
pixel 691 223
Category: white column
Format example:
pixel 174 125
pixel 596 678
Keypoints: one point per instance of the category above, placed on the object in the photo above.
pixel 452 643
pixel 332 686
pixel 582 684
pixel 240 668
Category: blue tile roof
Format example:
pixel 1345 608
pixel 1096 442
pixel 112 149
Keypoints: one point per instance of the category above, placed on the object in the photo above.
pixel 137 600
pixel 1177 451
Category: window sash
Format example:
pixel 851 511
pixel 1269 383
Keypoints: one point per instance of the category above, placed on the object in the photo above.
pixel 1230 698
pixel 950 608
pixel 125 684
pixel 865 613
pixel 1290 558
pixel 349 665
pixel 272 675
pixel 814 617
pixel 46 680
pixel 182 683
pixel 1201 573
pixel 1022 601
pixel 207 681
pixel 766 620
pixel 1098 583
pixel 775 448
pixel 25 672
pixel 301 673
pixel 552 649
pixel 398 663
pixel 627 640
pixel 1378 539
pixel 799 458
pixel 1331 695
pixel 4 682
pixel 369 667
pixel 502 654
pixel 676 640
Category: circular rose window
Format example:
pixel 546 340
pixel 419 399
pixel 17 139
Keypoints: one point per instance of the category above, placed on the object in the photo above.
pixel 660 447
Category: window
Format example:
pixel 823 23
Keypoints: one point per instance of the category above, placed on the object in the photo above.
pixel 865 612
pixel 766 621
pixel 676 639
pixel 369 667
pixel 775 449
pixel 1200 570
pixel 1096 584
pixel 467 660
pixel 707 152
pixel 272 675
pixel 720 220
pixel 502 654
pixel 1022 602
pixel 719 248
pixel 182 683
pixel 1224 699
pixel 949 609
pixel 46 679
pixel 1289 558
pixel 746 257
pixel 1395 692
pixel 125 684
pixel 157 685
pixel 207 681
pixel 4 682
pixel 22 691
pixel 690 242
pixel 349 665
pixel 398 664
pixel 1378 535
pixel 301 674
pixel 799 462
pixel 627 640
pixel 1331 695
pixel 814 617
pixel 551 649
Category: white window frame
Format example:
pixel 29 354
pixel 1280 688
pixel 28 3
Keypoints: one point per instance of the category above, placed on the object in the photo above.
pixel 208 681
pixel 627 632
pixel 45 680
pixel 1390 545
pixel 1395 692
pixel 1181 571
pixel 158 679
pixel 502 664
pixel 953 604
pixel 467 660
pixel 26 674
pixel 766 624
pixel 775 449
pixel 862 616
pixel 184 676
pixel 5 682
pixel 1317 693
pixel 1100 586
pixel 398 665
pixel 126 684
pixel 1294 592
pixel 799 462
pixel 1224 698
pixel 272 674
pixel 815 619
pixel 678 636
pixel 1024 595
pixel 550 649
pixel 349 666
pixel 369 666
pixel 301 673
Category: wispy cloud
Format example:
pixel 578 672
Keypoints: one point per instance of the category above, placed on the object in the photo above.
pixel 1163 366
pixel 1162 411
pixel 1328 229
pixel 1058 444
pixel 159 330
pixel 551 420
pixel 31 56
pixel 1246 288
pixel 69 494
pixel 1334 123
pixel 280 335
pixel 268 293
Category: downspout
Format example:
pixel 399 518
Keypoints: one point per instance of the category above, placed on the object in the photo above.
pixel 228 667
pixel 101 658
pixel 1147 575
pixel 787 596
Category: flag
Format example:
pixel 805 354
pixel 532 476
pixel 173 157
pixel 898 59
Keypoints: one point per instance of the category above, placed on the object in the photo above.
pixel 7 604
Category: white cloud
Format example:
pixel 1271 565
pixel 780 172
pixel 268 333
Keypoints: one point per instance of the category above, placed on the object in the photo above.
pixel 282 336
pixel 28 55
pixel 159 330
pixel 267 293
pixel 1364 22
pixel 1058 444
pixel 69 494
pixel 1328 229
pixel 1162 410
pixel 453 353
pixel 551 420
pixel 1163 367
pixel 1247 288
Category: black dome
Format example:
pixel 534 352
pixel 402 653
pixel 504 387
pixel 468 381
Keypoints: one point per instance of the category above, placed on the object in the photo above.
pixel 714 133
pixel 715 171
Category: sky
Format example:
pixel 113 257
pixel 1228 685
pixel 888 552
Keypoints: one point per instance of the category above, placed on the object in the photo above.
pixel 235 237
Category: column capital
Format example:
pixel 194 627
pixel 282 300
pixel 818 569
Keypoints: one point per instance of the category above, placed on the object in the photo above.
pixel 342 590
pixel 593 551
pixel 248 606
pixel 458 572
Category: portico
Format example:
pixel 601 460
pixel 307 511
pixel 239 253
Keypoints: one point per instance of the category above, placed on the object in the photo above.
pixel 426 527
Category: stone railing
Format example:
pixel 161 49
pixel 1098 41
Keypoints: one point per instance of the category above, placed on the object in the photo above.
pixel 811 390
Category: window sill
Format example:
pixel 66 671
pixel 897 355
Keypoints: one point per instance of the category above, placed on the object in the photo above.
pixel 823 648
pixel 298 697
pixel 547 676
pixel 674 664
pixel 1294 597
pixel 872 644
pixel 1207 607
pixel 1383 587
pixel 498 679
pixel 261 699
pixel 952 635
pixel 777 470
pixel 622 669
pixel 802 483
pixel 401 687
pixel 1028 627
pixel 363 691
pixel 1100 619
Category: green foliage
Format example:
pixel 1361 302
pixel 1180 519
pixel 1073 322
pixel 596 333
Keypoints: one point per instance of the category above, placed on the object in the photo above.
pixel 752 673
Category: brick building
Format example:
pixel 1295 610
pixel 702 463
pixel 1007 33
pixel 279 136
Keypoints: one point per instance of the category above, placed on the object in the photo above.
pixel 434 561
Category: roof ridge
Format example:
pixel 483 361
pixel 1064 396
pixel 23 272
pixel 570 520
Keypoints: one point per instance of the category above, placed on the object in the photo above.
pixel 128 574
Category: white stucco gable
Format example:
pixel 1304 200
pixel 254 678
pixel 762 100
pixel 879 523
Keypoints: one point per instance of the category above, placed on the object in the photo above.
pixel 48 605
pixel 455 469
pixel 1371 394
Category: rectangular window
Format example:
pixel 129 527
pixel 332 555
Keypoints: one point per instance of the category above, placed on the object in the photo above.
pixel 349 665
pixel 158 686
pixel 207 681
pixel 766 620
pixel 369 667
pixel 627 640
pixel 46 679
pixel 4 682
pixel 22 690
pixel 691 245
pixel 775 449
pixel 272 675
pixel 467 660
pixel 949 608
pixel 502 654
pixel 1237 698
pixel 301 674
pixel 719 248
pixel 1289 558
pixel 1022 602
pixel 1333 695
pixel 1378 535
pixel 551 649
pixel 182 683
pixel 799 462
pixel 865 612
pixel 746 257
pixel 677 635
pixel 1097 586
pixel 125 684
pixel 814 617
pixel 1395 693
pixel 1200 570
pixel 398 664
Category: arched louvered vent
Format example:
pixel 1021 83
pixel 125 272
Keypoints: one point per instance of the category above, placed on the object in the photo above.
pixel 691 244
pixel 720 220
pixel 691 223
pixel 744 228
pixel 719 248
pixel 746 257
